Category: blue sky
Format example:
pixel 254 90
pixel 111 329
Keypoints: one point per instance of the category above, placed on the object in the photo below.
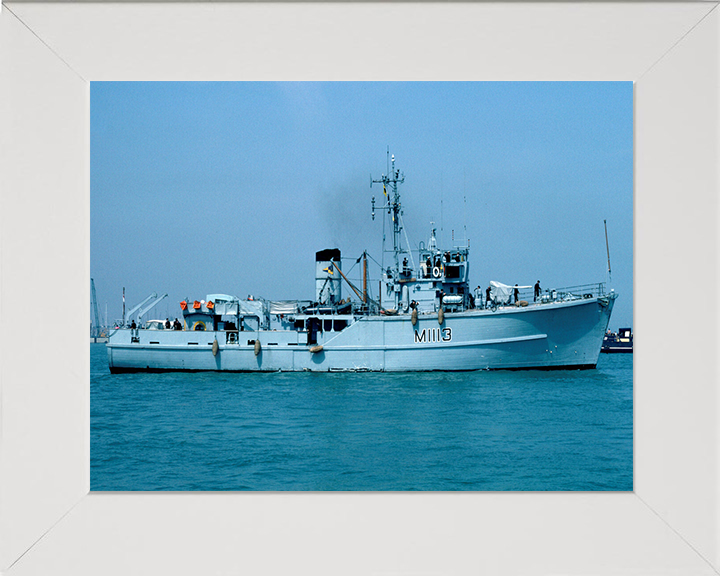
pixel 231 187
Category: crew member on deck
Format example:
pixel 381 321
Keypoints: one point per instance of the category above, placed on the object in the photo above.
pixel 167 324
pixel 133 326
pixel 516 293
pixel 537 291
pixel 487 296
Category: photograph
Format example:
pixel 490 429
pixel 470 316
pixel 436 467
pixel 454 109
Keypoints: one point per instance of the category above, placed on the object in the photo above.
pixel 361 286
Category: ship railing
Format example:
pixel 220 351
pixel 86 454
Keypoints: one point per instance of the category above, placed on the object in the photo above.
pixel 547 295
pixel 566 293
pixel 580 292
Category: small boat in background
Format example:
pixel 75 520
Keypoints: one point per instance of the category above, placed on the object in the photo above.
pixel 622 341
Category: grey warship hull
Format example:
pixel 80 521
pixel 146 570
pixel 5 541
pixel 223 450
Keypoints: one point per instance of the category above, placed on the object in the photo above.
pixel 554 335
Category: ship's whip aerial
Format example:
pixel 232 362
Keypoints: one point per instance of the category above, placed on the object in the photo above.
pixel 607 247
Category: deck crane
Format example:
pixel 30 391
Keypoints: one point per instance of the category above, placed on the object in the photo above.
pixel 152 305
pixel 129 315
pixel 95 327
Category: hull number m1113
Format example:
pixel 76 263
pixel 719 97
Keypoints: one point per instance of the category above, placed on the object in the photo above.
pixel 429 335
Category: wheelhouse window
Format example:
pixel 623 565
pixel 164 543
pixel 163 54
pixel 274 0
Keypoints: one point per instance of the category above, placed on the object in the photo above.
pixel 452 271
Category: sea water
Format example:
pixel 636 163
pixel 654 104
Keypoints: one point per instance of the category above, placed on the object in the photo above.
pixel 502 430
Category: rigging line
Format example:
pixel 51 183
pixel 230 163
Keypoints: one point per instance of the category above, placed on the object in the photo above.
pixel 351 268
pixel 412 260
pixel 382 252
pixel 465 206
pixel 376 262
pixel 354 288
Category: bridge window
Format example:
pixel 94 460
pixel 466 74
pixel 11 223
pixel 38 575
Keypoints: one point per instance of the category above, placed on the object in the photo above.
pixel 452 271
pixel 340 325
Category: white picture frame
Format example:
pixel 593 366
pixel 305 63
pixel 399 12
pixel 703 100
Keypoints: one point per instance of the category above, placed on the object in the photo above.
pixel 49 522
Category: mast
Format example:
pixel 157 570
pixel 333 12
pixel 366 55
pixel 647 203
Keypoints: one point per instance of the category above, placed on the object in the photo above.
pixel 364 299
pixel 390 183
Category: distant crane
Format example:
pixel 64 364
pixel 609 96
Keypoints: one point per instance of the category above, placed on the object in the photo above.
pixel 95 325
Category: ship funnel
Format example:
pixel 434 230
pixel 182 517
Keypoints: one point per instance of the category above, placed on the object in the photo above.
pixel 328 289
